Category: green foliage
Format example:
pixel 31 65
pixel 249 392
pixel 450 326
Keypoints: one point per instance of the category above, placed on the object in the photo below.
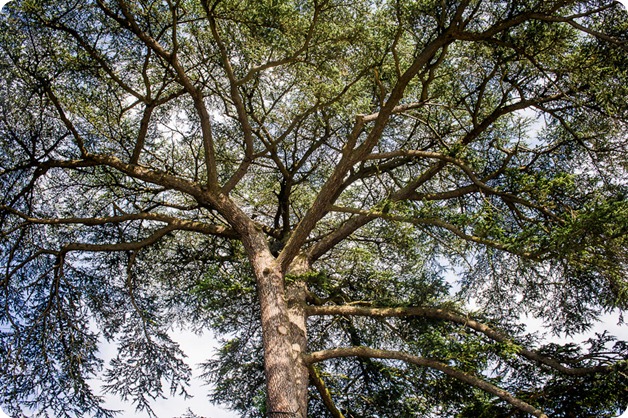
pixel 239 356
pixel 391 143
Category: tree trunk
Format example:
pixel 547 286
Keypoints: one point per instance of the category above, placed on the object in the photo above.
pixel 284 339
pixel 283 326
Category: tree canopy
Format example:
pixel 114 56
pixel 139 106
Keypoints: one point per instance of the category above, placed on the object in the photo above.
pixel 304 177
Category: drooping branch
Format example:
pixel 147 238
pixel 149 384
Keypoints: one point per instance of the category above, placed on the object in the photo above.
pixel 365 352
pixel 447 315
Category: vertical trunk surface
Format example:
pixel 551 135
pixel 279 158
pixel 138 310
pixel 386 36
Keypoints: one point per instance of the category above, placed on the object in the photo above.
pixel 283 325
pixel 284 338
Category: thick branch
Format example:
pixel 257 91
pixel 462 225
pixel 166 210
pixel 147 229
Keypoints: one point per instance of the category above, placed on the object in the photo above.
pixel 240 222
pixel 68 124
pixel 450 194
pixel 351 155
pixel 366 352
pixel 243 117
pixel 409 191
pixel 446 315
pixel 182 224
pixel 121 246
pixel 143 132
pixel 149 175
pixel 129 23
pixel 365 217
pixel 512 21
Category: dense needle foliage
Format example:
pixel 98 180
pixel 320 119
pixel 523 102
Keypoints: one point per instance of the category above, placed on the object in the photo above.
pixel 161 160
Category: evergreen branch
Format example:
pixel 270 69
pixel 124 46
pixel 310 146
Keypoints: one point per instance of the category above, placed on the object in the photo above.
pixel 365 352
pixel 95 54
pixel 447 315
pixel 236 97
pixel 352 154
pixel 289 59
pixel 178 223
pixel 363 218
pixel 440 224
pixel 128 22
pixel 480 183
pixel 324 392
pixel 68 124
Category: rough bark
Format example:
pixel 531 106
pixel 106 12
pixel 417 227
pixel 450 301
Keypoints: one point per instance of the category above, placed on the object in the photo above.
pixel 282 316
pixel 284 339
pixel 296 294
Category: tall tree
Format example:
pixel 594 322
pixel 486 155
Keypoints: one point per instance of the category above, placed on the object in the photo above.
pixel 301 175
